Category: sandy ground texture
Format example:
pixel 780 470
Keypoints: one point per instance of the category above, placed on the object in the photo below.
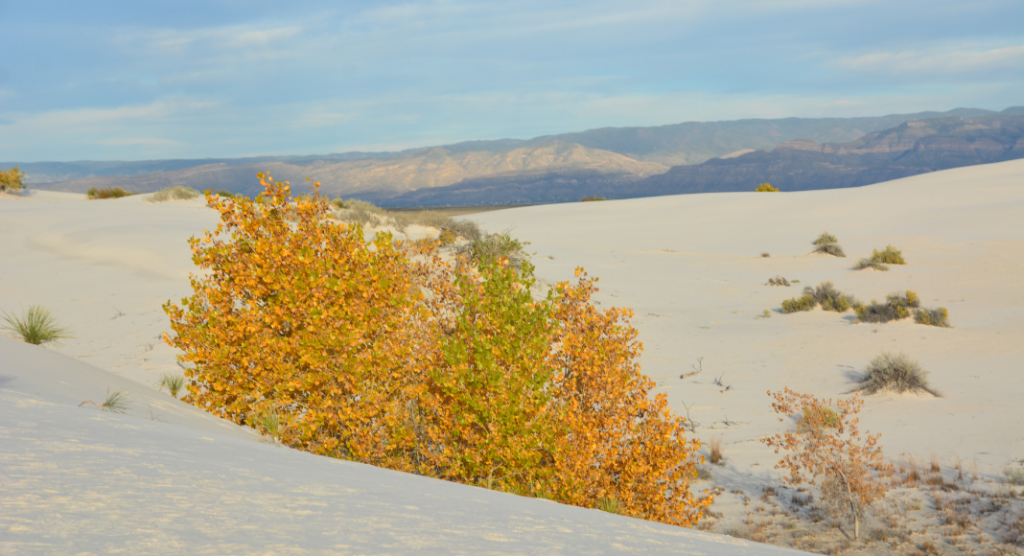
pixel 695 270
pixel 167 478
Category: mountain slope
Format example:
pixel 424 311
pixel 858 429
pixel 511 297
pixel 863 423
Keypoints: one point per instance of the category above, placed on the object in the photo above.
pixel 911 148
pixel 380 178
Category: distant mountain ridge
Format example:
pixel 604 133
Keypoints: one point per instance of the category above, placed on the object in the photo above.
pixel 910 148
pixel 610 162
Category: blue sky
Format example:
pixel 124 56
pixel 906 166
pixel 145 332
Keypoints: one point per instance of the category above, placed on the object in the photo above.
pixel 130 80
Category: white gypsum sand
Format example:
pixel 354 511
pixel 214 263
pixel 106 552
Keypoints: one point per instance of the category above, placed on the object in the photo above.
pixel 83 480
pixel 168 478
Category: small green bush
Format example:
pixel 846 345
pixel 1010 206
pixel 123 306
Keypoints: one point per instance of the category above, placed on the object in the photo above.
pixel 891 255
pixel 766 188
pixel 108 193
pixel 870 263
pixel 805 303
pixel 831 249
pixel 897 373
pixel 226 194
pixel 36 327
pixel 825 238
pixel 830 298
pixel 897 306
pixel 176 193
pixel 338 203
pixel 932 317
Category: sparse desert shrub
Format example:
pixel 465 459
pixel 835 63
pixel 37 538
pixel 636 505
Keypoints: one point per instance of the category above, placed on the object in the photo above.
pixel 897 306
pixel 897 373
pixel 932 317
pixel 830 249
pixel 766 255
pixel 495 247
pixel 176 193
pixel 386 354
pixel 804 303
pixel 456 228
pixel 108 193
pixel 830 298
pixel 12 180
pixel 778 281
pixel 268 422
pixel 362 213
pixel 115 402
pixel 1014 475
pixel 869 263
pixel 825 238
pixel 338 203
pixel 704 474
pixel 591 199
pixel 174 383
pixel 225 193
pixel 838 457
pixel 715 448
pixel 36 327
pixel 766 188
pixel 891 255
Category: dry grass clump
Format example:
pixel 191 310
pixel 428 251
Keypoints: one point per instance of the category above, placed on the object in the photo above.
pixel 362 213
pixel 36 327
pixel 932 317
pixel 897 306
pixel 778 281
pixel 176 193
pixel 715 448
pixel 108 193
pixel 896 373
pixel 828 243
pixel 766 188
pixel 830 298
pixel 173 383
pixel 488 248
pixel 869 263
pixel 115 402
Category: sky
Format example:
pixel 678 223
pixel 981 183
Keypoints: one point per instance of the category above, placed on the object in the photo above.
pixel 136 80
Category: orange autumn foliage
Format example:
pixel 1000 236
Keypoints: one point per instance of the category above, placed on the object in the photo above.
pixel 384 353
pixel 829 447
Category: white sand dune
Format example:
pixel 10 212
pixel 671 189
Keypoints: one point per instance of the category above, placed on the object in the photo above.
pixel 691 268
pixel 167 478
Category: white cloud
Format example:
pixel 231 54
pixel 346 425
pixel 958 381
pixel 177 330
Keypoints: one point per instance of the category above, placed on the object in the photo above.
pixel 944 61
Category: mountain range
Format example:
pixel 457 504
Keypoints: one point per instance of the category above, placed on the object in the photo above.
pixel 793 153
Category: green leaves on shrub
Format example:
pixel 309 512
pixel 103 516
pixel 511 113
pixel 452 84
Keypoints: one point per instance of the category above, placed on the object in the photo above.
pixel 805 303
pixel 891 255
pixel 827 243
pixel 897 373
pixel 36 327
pixel 897 306
pixel 932 317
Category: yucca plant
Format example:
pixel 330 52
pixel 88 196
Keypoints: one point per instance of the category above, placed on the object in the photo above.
pixel 36 327
pixel 173 383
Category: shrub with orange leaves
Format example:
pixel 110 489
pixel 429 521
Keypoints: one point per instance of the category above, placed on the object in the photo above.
pixel 297 315
pixel 384 353
pixel 623 444
pixel 829 448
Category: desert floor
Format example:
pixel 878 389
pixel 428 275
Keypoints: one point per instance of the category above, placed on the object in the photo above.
pixel 168 479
